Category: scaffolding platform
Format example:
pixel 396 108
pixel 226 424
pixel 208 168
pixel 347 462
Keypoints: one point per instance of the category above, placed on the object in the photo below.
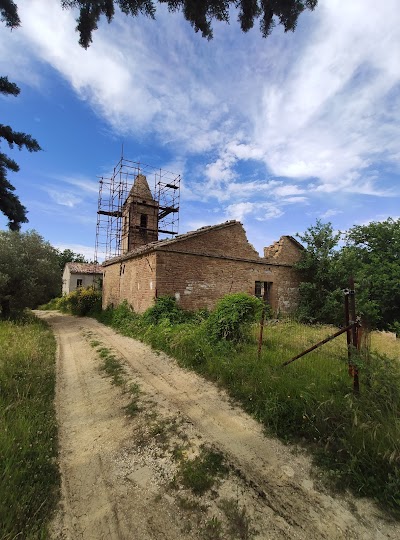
pixel 111 233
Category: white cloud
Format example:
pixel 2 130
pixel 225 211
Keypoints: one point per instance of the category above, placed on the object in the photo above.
pixel 326 107
pixel 330 213
pixel 64 198
pixel 332 115
pixel 81 182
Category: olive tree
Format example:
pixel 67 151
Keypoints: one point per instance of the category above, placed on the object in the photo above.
pixel 29 271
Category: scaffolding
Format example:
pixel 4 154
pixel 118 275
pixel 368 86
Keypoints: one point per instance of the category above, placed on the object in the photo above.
pixel 113 233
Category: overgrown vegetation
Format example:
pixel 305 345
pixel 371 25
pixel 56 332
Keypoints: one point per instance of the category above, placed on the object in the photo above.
pixel 370 253
pixel 82 301
pixel 29 271
pixel 29 477
pixel 355 439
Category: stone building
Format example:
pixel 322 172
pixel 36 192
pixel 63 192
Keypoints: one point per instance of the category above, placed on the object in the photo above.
pixel 77 275
pixel 198 267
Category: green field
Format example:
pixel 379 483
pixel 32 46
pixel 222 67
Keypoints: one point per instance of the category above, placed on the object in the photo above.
pixel 29 478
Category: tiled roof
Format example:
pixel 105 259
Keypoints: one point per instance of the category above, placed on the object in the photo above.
pixel 84 268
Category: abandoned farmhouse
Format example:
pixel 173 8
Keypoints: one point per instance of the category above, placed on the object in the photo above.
pixel 198 267
pixel 77 275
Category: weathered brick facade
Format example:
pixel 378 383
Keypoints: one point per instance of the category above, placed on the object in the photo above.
pixel 200 267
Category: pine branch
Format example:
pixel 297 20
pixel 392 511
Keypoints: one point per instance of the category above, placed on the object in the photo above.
pixel 7 87
pixel 9 13
pixel 19 138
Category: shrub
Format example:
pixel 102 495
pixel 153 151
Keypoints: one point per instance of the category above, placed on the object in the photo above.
pixel 165 307
pixel 232 317
pixel 81 302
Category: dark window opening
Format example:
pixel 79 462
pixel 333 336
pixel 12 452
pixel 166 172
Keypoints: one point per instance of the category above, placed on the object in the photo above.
pixel 262 290
pixel 79 283
pixel 143 221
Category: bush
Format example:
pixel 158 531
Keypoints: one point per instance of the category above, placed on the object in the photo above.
pixel 232 317
pixel 81 302
pixel 165 307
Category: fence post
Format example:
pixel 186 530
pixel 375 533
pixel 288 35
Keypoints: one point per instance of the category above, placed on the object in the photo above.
pixel 260 337
pixel 354 337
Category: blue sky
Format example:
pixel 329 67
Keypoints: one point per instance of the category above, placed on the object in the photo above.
pixel 273 132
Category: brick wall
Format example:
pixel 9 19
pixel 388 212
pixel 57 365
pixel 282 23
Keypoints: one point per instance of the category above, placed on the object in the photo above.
pixel 230 240
pixel 133 280
pixel 284 251
pixel 197 281
pixel 201 268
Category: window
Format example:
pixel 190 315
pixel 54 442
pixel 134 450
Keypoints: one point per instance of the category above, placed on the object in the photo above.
pixel 143 221
pixel 78 283
pixel 262 290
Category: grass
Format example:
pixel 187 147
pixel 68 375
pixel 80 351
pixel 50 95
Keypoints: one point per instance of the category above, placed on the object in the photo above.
pixel 133 407
pixel 200 473
pixel 356 439
pixel 115 369
pixel 29 476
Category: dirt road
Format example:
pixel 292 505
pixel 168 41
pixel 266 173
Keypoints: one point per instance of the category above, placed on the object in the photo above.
pixel 122 473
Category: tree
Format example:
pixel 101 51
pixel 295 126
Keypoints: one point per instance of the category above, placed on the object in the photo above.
pixel 371 255
pixel 321 282
pixel 69 256
pixel 376 249
pixel 29 271
pixel 199 13
pixel 10 204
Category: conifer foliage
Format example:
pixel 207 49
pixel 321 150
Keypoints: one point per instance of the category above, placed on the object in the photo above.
pixel 199 13
pixel 10 204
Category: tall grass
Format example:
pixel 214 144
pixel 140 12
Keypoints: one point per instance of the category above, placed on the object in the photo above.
pixel 29 477
pixel 355 438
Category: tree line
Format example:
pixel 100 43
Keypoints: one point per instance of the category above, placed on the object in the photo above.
pixel 371 254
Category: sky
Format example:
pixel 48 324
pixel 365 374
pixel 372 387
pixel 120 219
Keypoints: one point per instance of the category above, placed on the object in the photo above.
pixel 275 132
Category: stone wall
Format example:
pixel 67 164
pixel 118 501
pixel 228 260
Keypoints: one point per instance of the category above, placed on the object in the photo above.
pixel 133 280
pixel 199 281
pixel 201 267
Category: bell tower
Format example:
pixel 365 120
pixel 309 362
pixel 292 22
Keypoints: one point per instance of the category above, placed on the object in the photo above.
pixel 139 216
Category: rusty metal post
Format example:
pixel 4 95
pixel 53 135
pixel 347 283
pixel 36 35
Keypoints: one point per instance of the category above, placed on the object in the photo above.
pixel 354 337
pixel 260 337
pixel 347 324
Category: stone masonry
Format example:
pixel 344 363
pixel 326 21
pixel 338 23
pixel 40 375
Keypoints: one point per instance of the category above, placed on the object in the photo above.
pixel 199 267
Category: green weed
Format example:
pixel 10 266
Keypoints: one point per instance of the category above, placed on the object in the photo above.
pixel 112 366
pixel 212 529
pixel 29 476
pixel 200 474
pixel 133 407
